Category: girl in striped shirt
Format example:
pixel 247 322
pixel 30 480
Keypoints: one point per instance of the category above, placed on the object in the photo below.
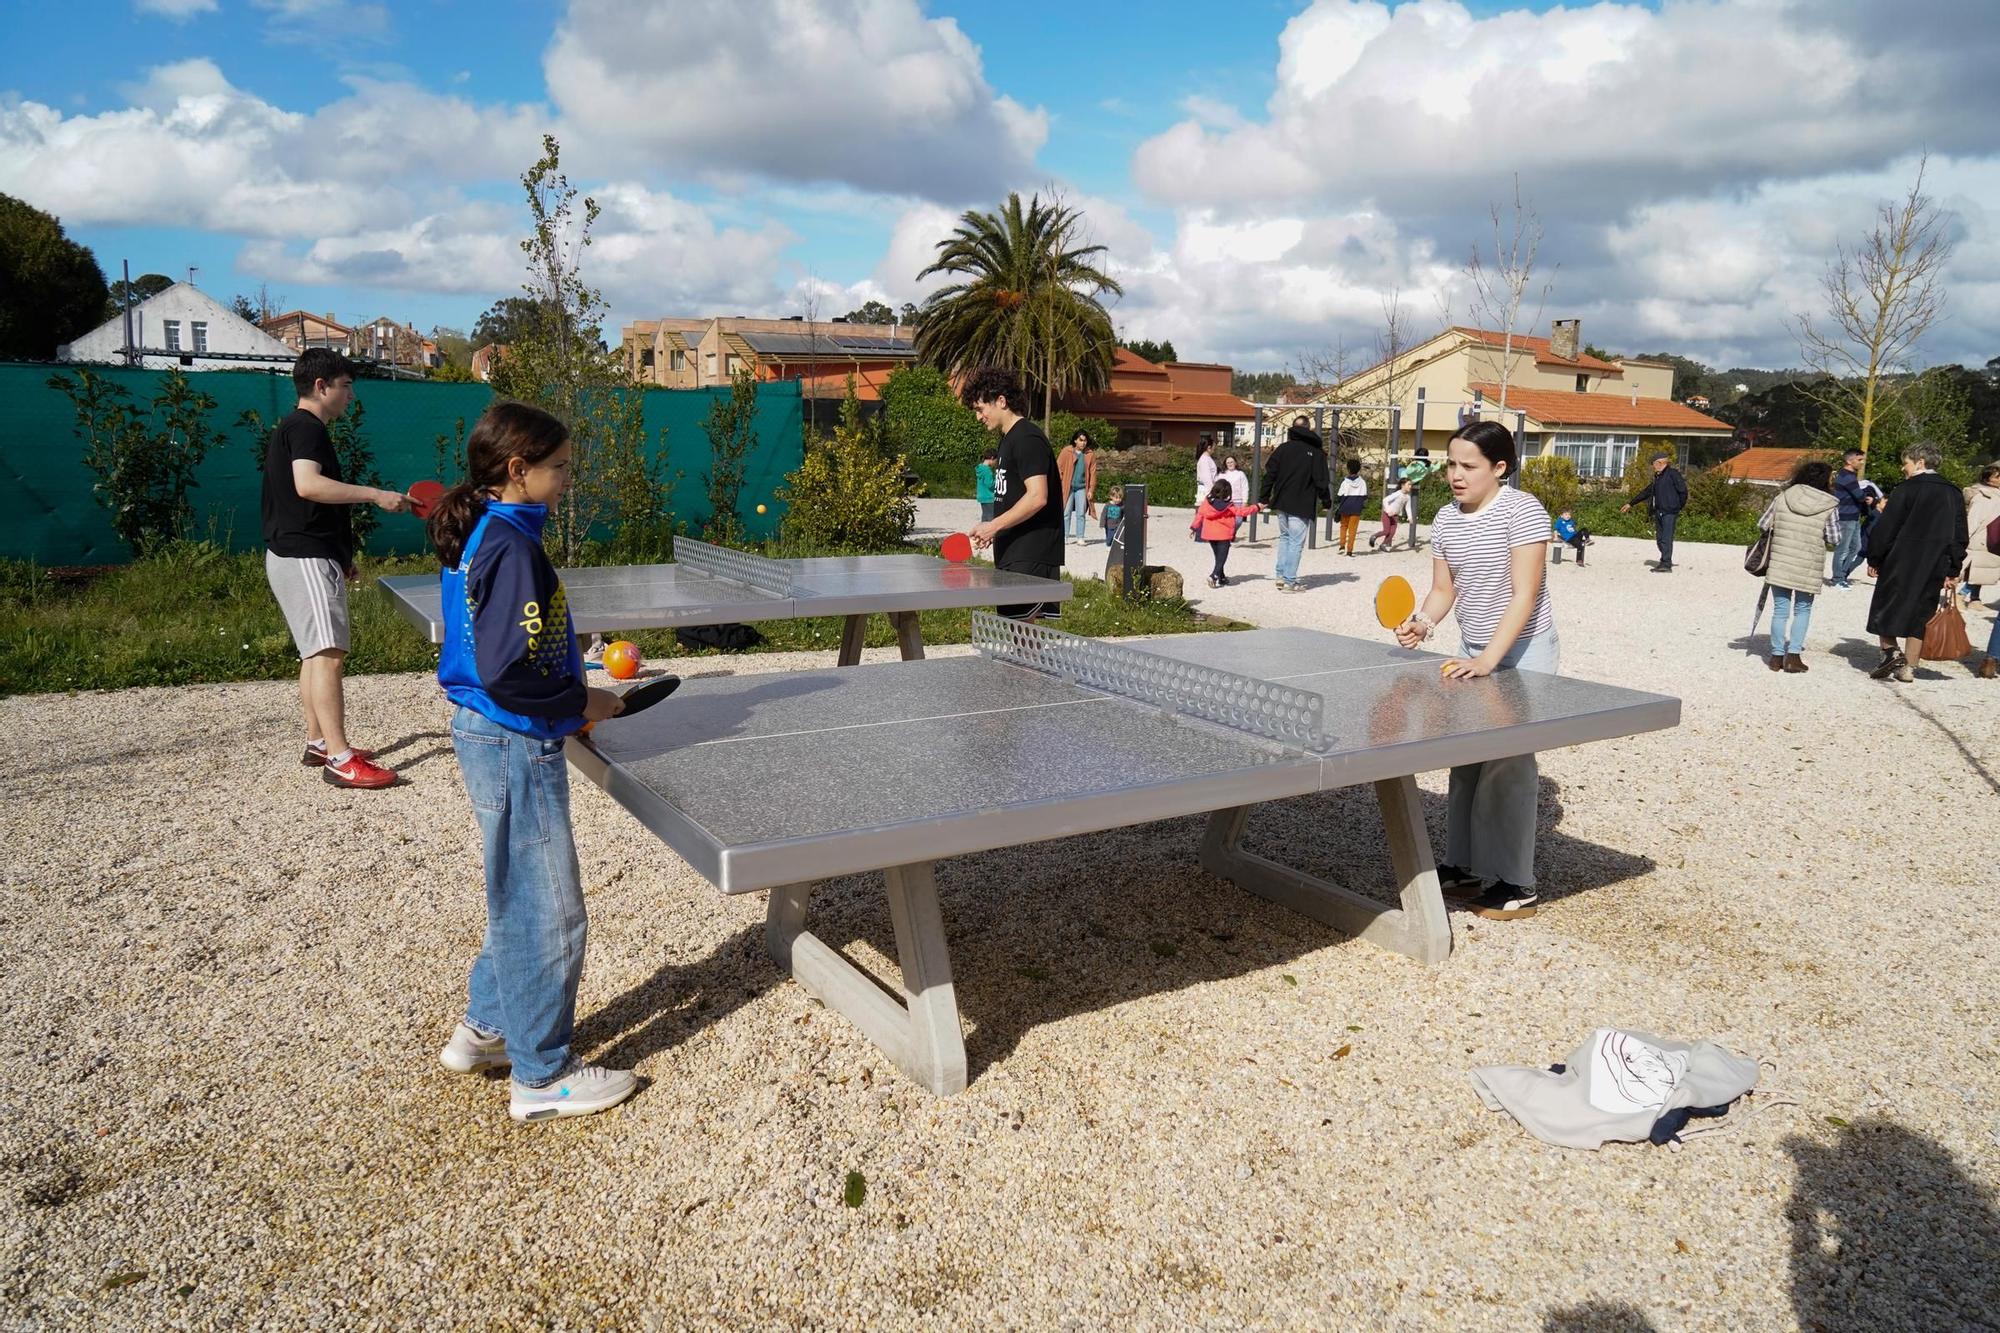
pixel 1489 548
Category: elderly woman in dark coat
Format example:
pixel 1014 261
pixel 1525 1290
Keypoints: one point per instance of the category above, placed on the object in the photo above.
pixel 1915 552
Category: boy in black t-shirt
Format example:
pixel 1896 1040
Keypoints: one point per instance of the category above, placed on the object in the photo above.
pixel 1025 531
pixel 309 556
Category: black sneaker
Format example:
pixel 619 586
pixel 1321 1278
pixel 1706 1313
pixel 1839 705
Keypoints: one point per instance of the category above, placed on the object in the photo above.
pixel 1503 902
pixel 1892 662
pixel 1459 883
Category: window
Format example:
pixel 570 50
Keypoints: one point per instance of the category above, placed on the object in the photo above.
pixel 1596 455
pixel 1583 384
pixel 646 357
pixel 173 328
pixel 677 360
pixel 200 335
pixel 731 366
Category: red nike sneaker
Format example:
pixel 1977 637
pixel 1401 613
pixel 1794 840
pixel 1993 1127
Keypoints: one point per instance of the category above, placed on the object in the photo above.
pixel 357 772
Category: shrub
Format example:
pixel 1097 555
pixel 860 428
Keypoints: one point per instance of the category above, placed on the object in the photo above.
pixel 1712 495
pixel 144 462
pixel 731 428
pixel 847 492
pixel 926 424
pixel 1551 480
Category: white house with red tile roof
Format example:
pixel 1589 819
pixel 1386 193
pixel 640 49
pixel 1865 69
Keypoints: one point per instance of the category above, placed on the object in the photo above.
pixel 1563 400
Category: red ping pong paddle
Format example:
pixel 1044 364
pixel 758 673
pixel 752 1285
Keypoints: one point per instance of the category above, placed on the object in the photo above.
pixel 424 497
pixel 956 548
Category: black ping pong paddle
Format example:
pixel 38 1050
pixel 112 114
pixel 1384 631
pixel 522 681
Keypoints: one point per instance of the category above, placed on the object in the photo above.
pixel 645 696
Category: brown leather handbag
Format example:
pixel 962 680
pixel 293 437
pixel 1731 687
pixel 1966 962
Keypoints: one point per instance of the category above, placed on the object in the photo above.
pixel 1944 636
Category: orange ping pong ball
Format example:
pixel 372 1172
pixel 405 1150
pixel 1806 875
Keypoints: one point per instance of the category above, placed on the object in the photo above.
pixel 760 509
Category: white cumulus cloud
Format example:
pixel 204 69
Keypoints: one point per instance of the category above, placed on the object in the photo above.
pixel 869 93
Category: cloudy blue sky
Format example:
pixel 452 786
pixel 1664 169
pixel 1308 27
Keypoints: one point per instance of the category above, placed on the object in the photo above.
pixel 1263 173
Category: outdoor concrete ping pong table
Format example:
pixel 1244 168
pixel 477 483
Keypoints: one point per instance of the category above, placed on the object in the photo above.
pixel 715 585
pixel 771 782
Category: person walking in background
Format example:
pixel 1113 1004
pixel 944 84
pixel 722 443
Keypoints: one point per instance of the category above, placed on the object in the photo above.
pixel 1418 470
pixel 1667 492
pixel 1853 506
pixel 1295 485
pixel 1076 466
pixel 1803 520
pixel 1205 470
pixel 1394 505
pixel 982 483
pixel 1982 506
pixel 1488 560
pixel 1914 555
pixel 1353 499
pixel 1239 486
pixel 1215 522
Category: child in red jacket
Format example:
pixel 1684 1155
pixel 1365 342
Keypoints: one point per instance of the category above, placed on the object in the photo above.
pixel 1215 523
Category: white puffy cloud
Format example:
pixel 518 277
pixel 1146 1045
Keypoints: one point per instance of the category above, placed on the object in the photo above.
pixel 195 151
pixel 180 11
pixel 870 93
pixel 650 252
pixel 1695 166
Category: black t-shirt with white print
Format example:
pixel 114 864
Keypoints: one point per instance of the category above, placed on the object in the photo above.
pixel 1037 540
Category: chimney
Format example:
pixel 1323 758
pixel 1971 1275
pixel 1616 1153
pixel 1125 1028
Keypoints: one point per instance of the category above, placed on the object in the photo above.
pixel 1564 335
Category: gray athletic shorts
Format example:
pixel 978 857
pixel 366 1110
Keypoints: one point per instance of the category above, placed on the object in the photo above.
pixel 312 592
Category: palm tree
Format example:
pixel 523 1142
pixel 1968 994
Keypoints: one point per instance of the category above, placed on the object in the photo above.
pixel 1026 297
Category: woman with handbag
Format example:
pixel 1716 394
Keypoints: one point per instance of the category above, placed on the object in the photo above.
pixel 1915 551
pixel 1803 524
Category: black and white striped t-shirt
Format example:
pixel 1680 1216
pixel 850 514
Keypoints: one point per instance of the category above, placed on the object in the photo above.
pixel 1479 548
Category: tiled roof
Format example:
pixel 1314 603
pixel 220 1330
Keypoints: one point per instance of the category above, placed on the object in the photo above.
pixel 1160 405
pixel 1544 354
pixel 1125 361
pixel 290 319
pixel 1553 407
pixel 1767 464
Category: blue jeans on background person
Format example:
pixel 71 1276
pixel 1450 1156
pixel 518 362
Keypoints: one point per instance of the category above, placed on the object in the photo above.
pixel 1079 510
pixel 1796 607
pixel 1292 532
pixel 1663 534
pixel 1993 643
pixel 1847 552
pixel 525 979
pixel 986 510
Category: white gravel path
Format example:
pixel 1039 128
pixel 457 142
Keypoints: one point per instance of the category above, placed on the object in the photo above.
pixel 225 983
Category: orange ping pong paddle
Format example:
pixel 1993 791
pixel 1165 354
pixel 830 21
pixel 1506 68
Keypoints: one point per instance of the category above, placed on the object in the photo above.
pixel 956 548
pixel 1395 601
pixel 424 497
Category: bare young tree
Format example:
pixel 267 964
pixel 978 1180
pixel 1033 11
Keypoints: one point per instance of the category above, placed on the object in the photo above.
pixel 1500 284
pixel 1392 340
pixel 1880 300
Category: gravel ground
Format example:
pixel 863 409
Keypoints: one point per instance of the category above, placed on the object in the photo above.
pixel 226 983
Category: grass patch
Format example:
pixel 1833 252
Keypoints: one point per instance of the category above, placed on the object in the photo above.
pixel 199 614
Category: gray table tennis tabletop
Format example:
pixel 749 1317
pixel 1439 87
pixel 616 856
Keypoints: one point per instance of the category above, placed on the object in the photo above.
pixel 610 598
pixel 770 782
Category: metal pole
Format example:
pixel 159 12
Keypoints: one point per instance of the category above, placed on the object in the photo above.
pixel 128 314
pixel 1412 515
pixel 1319 422
pixel 1520 444
pixel 1256 458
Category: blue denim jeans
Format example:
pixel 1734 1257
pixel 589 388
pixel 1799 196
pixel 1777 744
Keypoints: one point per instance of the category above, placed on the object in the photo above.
pixel 1489 825
pixel 1076 514
pixel 1847 552
pixel 1993 642
pixel 524 981
pixel 1796 607
pixel 1292 532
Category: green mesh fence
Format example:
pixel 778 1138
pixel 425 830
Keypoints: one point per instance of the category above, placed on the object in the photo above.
pixel 48 513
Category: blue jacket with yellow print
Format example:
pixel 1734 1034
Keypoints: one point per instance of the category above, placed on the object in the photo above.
pixel 510 652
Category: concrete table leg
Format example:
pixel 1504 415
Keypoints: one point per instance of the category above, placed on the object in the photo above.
pixel 909 634
pixel 1418 928
pixel 853 635
pixel 917 1026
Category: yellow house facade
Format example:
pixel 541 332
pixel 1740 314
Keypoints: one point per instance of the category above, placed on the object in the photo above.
pixel 1558 398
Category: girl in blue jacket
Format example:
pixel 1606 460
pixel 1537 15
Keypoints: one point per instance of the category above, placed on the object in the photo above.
pixel 510 663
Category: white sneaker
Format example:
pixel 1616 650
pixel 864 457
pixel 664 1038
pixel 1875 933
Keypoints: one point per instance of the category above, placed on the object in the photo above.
pixel 582 1090
pixel 471 1050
